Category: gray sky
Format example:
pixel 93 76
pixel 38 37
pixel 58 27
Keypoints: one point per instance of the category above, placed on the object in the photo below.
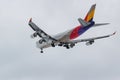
pixel 21 60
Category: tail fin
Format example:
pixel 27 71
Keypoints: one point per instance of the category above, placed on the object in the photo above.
pixel 90 14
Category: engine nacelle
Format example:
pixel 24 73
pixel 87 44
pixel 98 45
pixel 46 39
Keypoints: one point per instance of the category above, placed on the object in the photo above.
pixel 41 41
pixel 89 42
pixel 34 35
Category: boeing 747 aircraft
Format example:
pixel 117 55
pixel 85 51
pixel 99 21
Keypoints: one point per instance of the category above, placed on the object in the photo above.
pixel 66 39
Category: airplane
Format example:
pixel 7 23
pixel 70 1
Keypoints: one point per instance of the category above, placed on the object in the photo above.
pixel 66 39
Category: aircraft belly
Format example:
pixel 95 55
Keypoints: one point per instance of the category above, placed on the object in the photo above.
pixel 43 45
pixel 63 37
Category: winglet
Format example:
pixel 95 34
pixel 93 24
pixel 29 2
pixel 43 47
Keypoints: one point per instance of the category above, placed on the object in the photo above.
pixel 30 20
pixel 113 33
pixel 83 22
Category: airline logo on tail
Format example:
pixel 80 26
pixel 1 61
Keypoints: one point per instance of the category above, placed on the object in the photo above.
pixel 90 14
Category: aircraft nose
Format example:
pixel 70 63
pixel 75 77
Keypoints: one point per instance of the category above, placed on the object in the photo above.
pixel 37 44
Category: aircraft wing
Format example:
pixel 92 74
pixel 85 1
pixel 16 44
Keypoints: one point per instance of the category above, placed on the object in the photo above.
pixel 91 39
pixel 40 32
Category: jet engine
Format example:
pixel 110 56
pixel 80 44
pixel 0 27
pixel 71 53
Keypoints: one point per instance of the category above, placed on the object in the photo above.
pixel 89 42
pixel 34 35
pixel 41 41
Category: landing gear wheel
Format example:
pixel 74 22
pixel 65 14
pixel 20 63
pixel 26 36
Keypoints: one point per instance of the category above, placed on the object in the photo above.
pixel 52 44
pixel 41 51
pixel 67 47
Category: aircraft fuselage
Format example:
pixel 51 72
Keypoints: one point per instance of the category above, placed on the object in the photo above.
pixel 66 36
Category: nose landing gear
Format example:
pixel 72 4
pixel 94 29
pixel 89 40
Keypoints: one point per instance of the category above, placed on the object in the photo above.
pixel 41 50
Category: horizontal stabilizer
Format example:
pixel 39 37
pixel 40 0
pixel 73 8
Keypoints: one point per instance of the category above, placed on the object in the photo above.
pixel 83 22
pixel 101 24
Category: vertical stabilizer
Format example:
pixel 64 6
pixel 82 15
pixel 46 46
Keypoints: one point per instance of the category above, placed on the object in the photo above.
pixel 90 14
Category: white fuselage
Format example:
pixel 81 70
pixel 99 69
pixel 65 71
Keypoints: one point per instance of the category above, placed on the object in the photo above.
pixel 61 37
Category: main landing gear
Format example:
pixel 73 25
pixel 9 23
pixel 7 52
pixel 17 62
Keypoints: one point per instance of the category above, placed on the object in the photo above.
pixel 52 44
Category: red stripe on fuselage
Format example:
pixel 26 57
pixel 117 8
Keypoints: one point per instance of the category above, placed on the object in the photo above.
pixel 74 34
